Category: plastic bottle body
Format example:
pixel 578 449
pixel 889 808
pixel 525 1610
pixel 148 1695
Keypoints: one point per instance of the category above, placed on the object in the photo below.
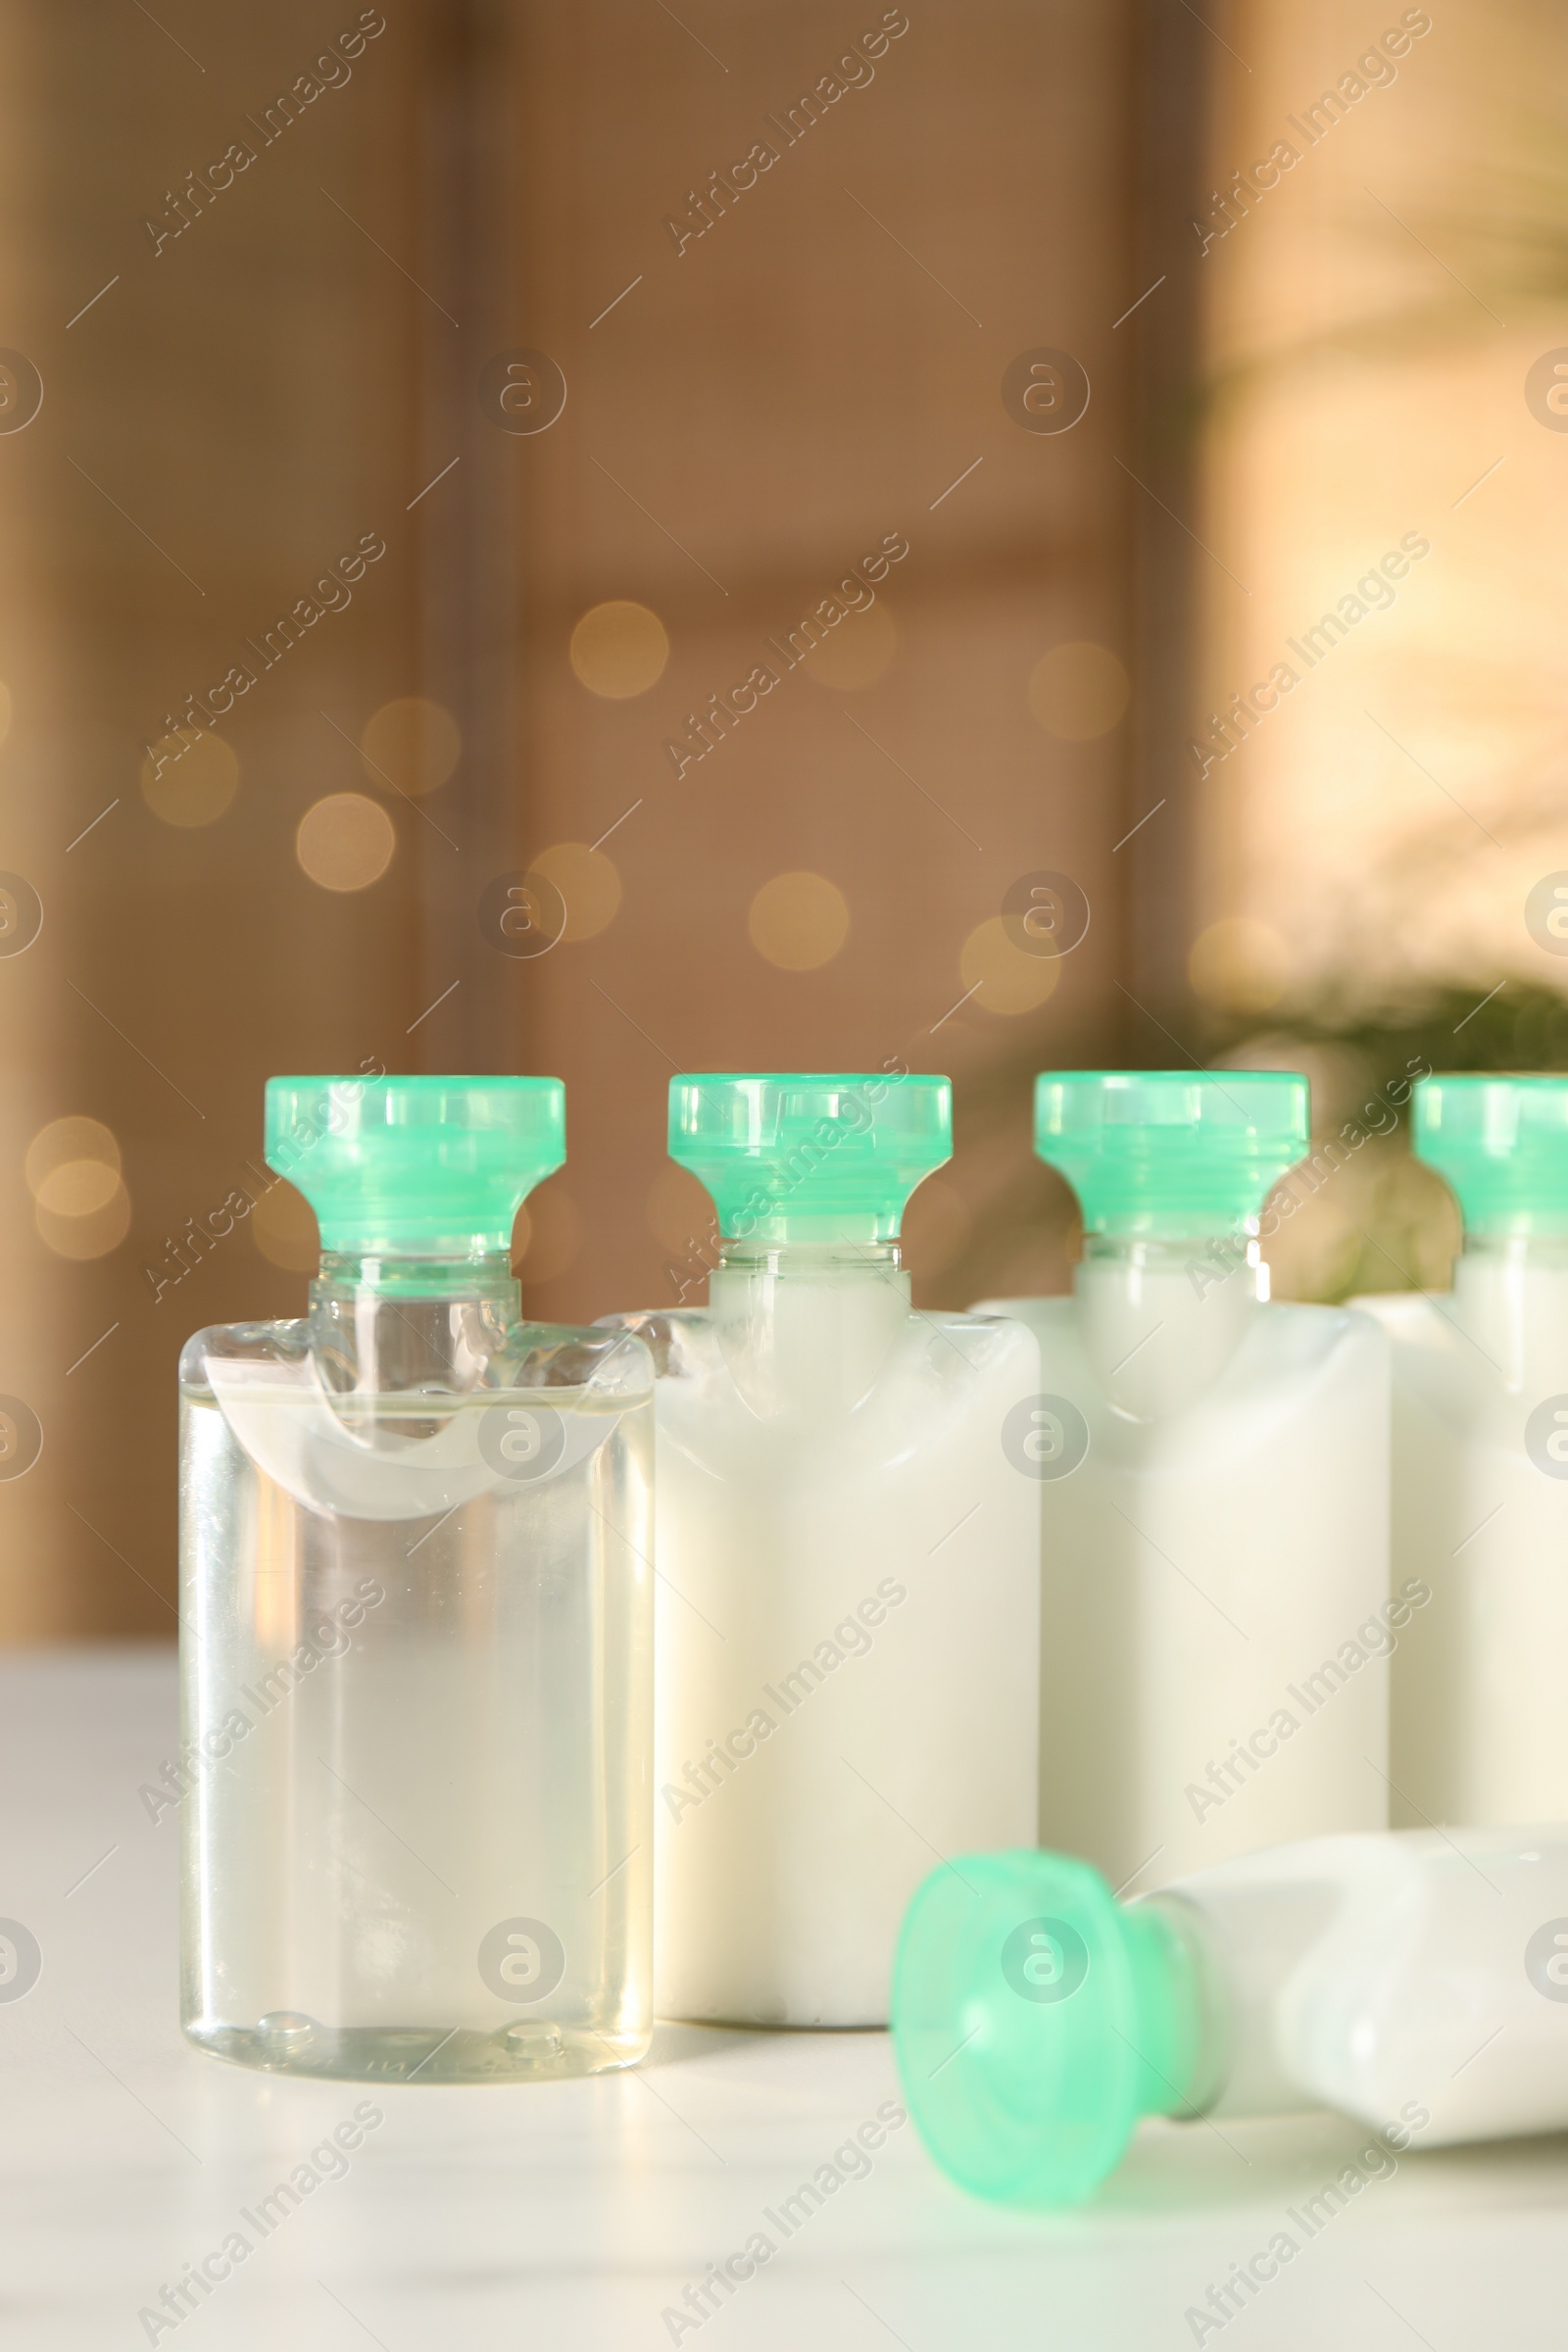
pixel 1416 1981
pixel 847 1626
pixel 417 1678
pixel 1215 1615
pixel 1481 1519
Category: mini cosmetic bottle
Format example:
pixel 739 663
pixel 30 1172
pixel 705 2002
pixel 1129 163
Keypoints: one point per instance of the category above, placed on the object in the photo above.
pixel 1480 1727
pixel 415 1625
pixel 1413 1979
pixel 1212 1474
pixel 848 1586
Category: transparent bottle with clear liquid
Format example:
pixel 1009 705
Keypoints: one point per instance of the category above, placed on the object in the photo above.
pixel 1481 1466
pixel 848 1597
pixel 1213 1478
pixel 415 1625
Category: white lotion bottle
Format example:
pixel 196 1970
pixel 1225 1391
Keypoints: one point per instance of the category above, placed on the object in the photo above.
pixel 1212 1472
pixel 1414 1980
pixel 847 1597
pixel 1480 1725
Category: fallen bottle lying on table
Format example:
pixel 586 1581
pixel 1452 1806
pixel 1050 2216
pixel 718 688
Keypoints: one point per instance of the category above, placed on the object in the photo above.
pixel 1417 1980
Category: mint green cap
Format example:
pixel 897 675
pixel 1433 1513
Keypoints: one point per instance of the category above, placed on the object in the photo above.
pixel 416 1166
pixel 1170 1151
pixel 1034 2021
pixel 803 1155
pixel 1502 1145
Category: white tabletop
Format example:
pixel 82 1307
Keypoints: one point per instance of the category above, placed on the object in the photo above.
pixel 576 2215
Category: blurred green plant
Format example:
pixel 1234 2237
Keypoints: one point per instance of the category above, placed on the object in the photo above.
pixel 1371 1217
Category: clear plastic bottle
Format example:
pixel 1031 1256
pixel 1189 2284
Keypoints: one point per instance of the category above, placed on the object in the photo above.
pixel 847 1561
pixel 1481 1467
pixel 1414 1981
pixel 415 1625
pixel 1213 1476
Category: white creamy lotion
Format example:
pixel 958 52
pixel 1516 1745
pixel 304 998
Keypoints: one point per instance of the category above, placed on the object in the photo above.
pixel 1481 1466
pixel 1414 1978
pixel 847 1592
pixel 1212 1469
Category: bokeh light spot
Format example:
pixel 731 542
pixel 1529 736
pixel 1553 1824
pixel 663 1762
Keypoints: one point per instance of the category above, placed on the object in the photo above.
pixel 588 883
pixel 799 922
pixel 1078 690
pixel 1004 977
pixel 619 649
pixel 861 650
pixel 345 842
pixel 412 745
pixel 1238 964
pixel 80 1204
pixel 92 1236
pixel 71 1141
pixel 188 778
pixel 284 1230
pixel 78 1188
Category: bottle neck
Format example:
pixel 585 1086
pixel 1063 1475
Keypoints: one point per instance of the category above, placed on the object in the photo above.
pixel 807 1327
pixel 383 1324
pixel 1193 1256
pixel 479 1273
pixel 1510 1299
pixel 1499 1247
pixel 1184 2037
pixel 830 1258
pixel 1162 1317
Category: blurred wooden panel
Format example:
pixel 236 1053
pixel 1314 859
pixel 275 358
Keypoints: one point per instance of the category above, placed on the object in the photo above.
pixel 233 411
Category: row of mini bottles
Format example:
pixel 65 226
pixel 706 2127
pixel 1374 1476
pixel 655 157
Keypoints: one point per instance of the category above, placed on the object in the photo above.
pixel 423 1591
pixel 1414 1978
pixel 431 1808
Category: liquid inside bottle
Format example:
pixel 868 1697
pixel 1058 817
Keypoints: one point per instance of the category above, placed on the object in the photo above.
pixel 417 1682
pixel 1216 1621
pixel 849 1561
pixel 1481 1466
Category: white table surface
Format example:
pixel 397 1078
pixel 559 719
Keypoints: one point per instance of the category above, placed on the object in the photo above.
pixel 575 2214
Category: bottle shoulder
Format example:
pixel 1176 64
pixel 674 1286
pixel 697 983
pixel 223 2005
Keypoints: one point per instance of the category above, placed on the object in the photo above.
pixel 279 1342
pixel 1139 1365
pixel 1048 1313
pixel 1401 1314
pixel 615 1363
pixel 550 1355
pixel 1322 1327
pixel 663 1334
pixel 1282 1328
pixel 683 1341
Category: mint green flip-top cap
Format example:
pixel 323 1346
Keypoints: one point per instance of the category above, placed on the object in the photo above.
pixel 1170 1151
pixel 1502 1145
pixel 416 1166
pixel 1034 2022
pixel 801 1154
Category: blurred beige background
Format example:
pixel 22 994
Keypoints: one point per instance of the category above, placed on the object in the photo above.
pixel 1383 311
pixel 502 306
